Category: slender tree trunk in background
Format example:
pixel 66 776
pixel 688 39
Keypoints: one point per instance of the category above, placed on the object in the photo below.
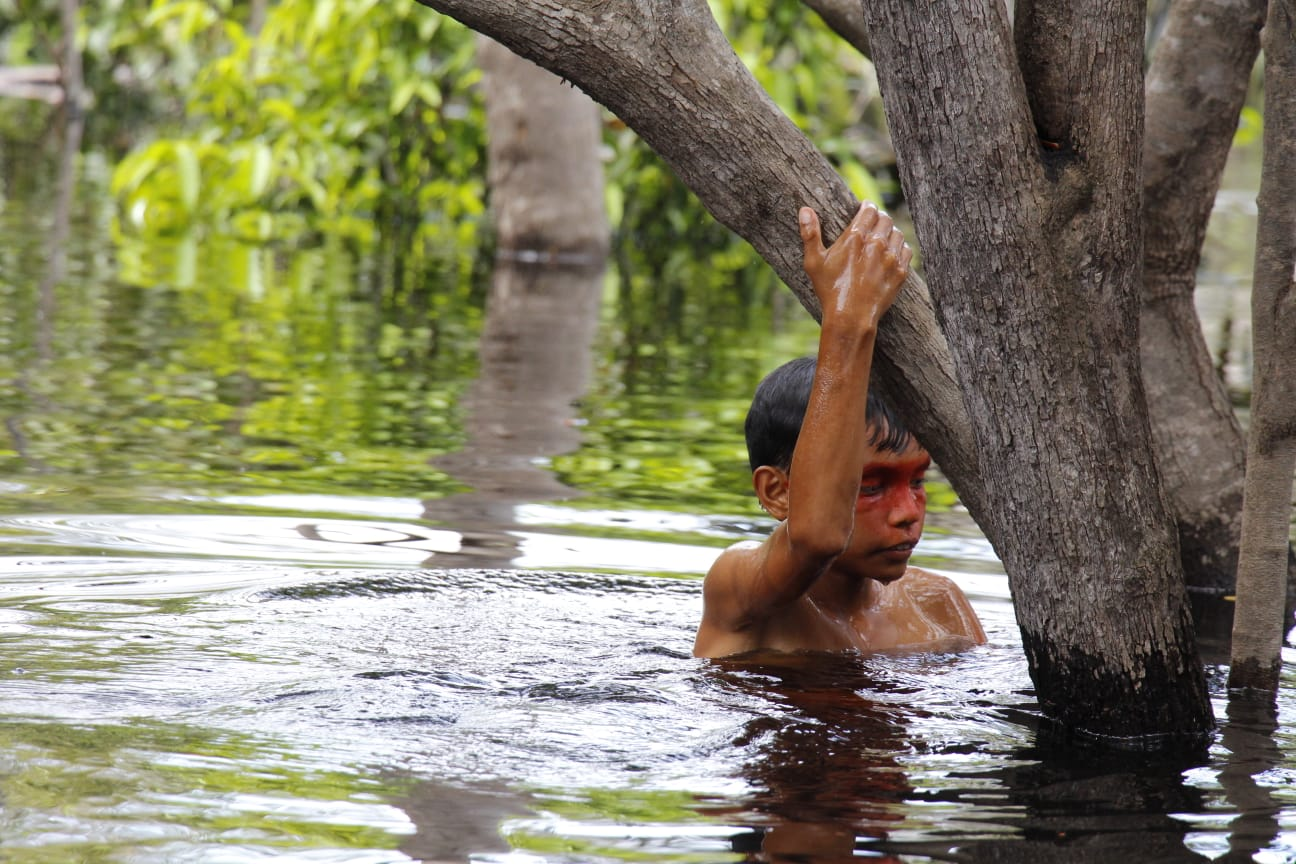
pixel 1271 440
pixel 546 202
pixel 1027 204
pixel 543 166
pixel 70 72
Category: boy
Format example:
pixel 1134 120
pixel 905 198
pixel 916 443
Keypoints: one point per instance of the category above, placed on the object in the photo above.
pixel 845 480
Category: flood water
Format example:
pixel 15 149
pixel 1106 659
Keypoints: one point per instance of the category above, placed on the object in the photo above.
pixel 325 554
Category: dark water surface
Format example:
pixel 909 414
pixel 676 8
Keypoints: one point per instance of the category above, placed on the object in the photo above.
pixel 292 571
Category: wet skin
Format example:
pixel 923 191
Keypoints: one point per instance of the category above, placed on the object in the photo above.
pixel 834 573
pixel 869 599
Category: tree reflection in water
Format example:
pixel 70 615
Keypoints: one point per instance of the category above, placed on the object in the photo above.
pixel 536 349
pixel 828 780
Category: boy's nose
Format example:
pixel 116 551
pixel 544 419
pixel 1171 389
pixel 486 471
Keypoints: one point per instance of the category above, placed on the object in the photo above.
pixel 908 509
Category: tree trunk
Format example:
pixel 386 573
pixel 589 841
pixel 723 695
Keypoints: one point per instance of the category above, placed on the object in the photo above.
pixel 1271 442
pixel 543 167
pixel 1027 205
pixel 1196 87
pixel 666 70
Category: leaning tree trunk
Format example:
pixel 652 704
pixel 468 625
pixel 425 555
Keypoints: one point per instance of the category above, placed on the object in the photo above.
pixel 667 71
pixel 1271 440
pixel 1027 204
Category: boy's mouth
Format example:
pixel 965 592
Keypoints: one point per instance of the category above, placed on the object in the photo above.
pixel 900 548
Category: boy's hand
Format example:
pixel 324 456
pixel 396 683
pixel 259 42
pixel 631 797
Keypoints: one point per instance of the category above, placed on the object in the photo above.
pixel 857 278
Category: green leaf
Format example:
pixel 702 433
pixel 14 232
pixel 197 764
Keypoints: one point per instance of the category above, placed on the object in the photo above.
pixel 401 96
pixel 189 175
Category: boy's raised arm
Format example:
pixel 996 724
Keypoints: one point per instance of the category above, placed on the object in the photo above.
pixel 855 280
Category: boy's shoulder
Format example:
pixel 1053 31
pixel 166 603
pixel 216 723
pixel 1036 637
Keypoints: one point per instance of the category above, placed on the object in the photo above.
pixel 941 601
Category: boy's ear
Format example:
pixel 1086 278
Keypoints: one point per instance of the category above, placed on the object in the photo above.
pixel 771 485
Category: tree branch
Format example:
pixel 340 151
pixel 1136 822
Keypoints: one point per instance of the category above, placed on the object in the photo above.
pixel 846 19
pixel 667 71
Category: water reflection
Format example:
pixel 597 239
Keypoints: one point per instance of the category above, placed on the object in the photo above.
pixel 536 356
pixel 823 768
pixel 830 765
pixel 1248 736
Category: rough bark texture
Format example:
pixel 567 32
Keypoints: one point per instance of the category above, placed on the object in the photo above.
pixel 1196 87
pixel 543 166
pixel 1271 439
pixel 1025 187
pixel 665 69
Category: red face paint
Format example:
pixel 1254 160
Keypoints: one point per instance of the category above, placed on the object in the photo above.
pixel 890 510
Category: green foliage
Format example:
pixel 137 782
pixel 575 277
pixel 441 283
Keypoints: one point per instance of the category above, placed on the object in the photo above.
pixel 822 84
pixel 336 116
pixel 340 118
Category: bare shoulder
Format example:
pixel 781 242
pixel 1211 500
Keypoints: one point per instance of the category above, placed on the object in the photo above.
pixel 720 632
pixel 943 602
pixel 919 580
pixel 730 570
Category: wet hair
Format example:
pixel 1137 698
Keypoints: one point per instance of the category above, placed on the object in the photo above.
pixel 779 406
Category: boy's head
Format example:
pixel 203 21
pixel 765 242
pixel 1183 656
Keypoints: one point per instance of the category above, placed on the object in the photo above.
pixel 774 419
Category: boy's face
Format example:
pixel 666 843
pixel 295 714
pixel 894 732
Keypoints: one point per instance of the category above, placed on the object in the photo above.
pixel 889 513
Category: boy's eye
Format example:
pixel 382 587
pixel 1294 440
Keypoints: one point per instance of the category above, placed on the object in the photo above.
pixel 917 482
pixel 870 490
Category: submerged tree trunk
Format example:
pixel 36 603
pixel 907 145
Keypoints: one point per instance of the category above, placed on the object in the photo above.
pixel 667 71
pixel 1271 442
pixel 1027 205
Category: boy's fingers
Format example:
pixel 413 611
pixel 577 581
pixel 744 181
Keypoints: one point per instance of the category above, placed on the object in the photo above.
pixel 895 243
pixel 884 226
pixel 865 218
pixel 810 238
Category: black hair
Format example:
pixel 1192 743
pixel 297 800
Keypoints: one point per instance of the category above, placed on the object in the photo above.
pixel 779 406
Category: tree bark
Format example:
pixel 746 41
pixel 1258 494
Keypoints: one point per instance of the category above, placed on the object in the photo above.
pixel 667 71
pixel 1271 440
pixel 1022 172
pixel 1196 87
